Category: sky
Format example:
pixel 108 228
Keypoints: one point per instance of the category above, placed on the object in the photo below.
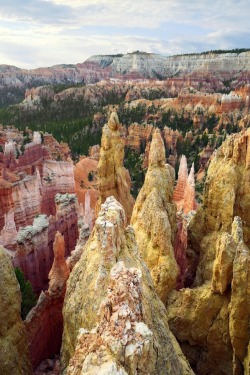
pixel 41 33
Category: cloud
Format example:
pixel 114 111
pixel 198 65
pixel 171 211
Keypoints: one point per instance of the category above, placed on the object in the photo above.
pixel 44 32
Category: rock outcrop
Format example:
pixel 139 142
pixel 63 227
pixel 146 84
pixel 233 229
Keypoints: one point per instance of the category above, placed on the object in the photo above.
pixel 129 316
pixel 58 177
pixel 154 219
pixel 85 175
pixel 9 233
pixel 44 323
pixel 113 178
pixel 211 320
pixel 14 357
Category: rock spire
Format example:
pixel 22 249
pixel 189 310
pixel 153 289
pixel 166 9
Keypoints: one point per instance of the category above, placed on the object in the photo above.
pixel 154 219
pixel 113 178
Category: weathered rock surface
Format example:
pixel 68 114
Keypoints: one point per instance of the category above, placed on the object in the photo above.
pixel 111 335
pixel 129 66
pixel 44 323
pixel 211 320
pixel 113 178
pixel 34 254
pixel 154 219
pixel 9 233
pixel 14 357
pixel 58 177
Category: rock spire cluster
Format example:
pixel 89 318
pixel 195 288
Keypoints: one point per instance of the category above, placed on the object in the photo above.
pixel 213 316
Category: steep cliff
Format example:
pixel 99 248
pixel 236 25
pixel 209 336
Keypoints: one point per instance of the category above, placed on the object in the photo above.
pixel 113 178
pixel 58 177
pixel 14 357
pixel 44 323
pixel 115 339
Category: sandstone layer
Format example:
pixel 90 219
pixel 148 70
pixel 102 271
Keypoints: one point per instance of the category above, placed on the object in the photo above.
pixel 154 219
pixel 34 254
pixel 115 338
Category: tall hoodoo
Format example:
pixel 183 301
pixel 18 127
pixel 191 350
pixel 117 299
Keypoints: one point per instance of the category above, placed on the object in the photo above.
pixel 59 272
pixel 113 177
pixel 154 219
pixel 113 318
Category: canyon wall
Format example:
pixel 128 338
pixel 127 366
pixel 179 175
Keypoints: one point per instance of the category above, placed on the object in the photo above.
pixel 44 323
pixel 34 254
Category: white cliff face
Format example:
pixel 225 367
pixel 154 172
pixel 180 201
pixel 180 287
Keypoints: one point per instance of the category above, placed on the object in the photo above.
pixel 151 65
pixel 145 65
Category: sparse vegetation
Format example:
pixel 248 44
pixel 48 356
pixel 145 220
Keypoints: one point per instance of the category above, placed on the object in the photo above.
pixel 28 297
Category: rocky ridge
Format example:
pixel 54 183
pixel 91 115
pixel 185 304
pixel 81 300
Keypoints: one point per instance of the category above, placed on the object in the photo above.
pixel 99 268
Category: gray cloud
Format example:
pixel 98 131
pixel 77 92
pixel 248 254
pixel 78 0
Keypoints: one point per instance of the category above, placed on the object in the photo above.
pixel 45 32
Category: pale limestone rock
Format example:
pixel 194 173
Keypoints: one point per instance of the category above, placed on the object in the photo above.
pixel 154 219
pixel 223 264
pixel 109 244
pixel 199 320
pixel 9 232
pixel 239 308
pixel 120 330
pixel 14 357
pixel 89 213
pixel 37 138
pixel 113 178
